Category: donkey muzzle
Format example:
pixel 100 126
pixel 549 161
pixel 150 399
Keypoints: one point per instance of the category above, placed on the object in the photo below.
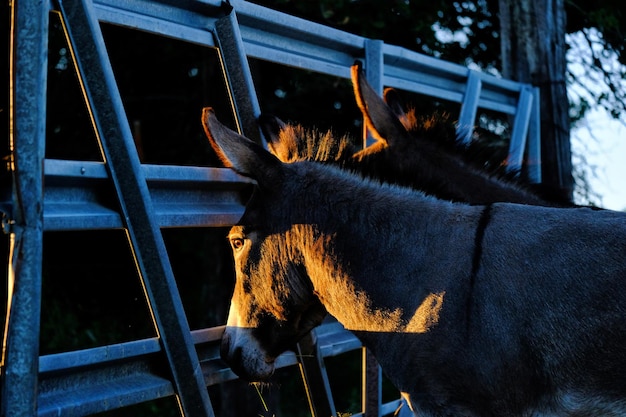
pixel 243 353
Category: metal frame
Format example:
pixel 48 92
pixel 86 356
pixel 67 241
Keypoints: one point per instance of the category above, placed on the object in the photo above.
pixel 95 380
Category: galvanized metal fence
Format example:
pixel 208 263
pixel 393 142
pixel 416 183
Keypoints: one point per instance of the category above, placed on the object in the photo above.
pixel 151 197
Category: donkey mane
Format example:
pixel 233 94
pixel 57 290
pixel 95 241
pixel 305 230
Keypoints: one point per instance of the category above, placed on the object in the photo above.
pixel 437 126
pixel 293 142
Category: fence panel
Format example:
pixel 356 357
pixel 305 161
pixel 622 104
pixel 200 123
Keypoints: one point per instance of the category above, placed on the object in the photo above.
pixel 48 195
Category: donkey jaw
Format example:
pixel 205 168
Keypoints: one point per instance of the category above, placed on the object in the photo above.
pixel 245 356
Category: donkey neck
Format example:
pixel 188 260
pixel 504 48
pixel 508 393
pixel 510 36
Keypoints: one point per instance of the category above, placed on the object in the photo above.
pixel 466 183
pixel 424 165
pixel 322 190
pixel 359 245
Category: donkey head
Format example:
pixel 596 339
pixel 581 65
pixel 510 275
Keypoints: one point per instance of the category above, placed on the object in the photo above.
pixel 408 148
pixel 398 128
pixel 422 153
pixel 273 304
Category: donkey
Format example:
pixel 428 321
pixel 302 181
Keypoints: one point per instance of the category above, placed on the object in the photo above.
pixel 497 310
pixel 410 151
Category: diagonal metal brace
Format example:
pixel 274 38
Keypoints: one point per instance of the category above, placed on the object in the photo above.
pixel 124 168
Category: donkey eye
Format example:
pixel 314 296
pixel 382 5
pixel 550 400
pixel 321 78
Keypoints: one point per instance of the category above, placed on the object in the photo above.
pixel 236 242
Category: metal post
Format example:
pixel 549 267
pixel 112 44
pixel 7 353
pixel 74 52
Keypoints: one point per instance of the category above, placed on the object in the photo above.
pixel 469 108
pixel 520 130
pixel 372 385
pixel 314 374
pixel 533 161
pixel 372 374
pixel 374 72
pixel 237 71
pixel 28 73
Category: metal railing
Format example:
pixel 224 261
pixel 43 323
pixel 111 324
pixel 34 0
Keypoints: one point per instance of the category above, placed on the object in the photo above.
pixel 58 195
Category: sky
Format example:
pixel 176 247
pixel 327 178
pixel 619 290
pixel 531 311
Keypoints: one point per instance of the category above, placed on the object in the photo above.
pixel 599 141
pixel 603 145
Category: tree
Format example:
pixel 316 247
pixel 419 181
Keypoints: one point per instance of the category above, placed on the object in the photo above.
pixel 602 25
pixel 533 51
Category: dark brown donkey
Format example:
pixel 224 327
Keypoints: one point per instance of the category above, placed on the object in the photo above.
pixel 409 151
pixel 497 311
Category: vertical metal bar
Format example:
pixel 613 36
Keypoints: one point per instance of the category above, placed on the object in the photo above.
pixel 469 108
pixel 520 130
pixel 372 385
pixel 123 164
pixel 28 73
pixel 314 374
pixel 372 374
pixel 533 156
pixel 374 73
pixel 238 75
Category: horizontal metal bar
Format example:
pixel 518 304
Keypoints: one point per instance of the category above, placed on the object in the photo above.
pixel 79 196
pixel 399 57
pixel 284 39
pixel 323 50
pixel 334 339
pixel 123 374
pixel 188 20
pixel 167 173
pixel 102 389
pixel 334 63
pixel 279 28
pixel 110 353
pixel 429 76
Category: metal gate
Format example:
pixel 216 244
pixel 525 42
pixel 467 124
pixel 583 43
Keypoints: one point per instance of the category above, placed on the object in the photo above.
pixel 54 195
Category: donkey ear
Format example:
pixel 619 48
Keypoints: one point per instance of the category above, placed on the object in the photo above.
pixel 379 117
pixel 270 126
pixel 392 98
pixel 238 152
pixel 278 143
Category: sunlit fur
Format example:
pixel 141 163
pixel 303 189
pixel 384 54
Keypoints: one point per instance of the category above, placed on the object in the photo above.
pixel 293 142
pixel 520 309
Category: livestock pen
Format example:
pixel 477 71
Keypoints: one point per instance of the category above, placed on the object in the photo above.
pixel 69 197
